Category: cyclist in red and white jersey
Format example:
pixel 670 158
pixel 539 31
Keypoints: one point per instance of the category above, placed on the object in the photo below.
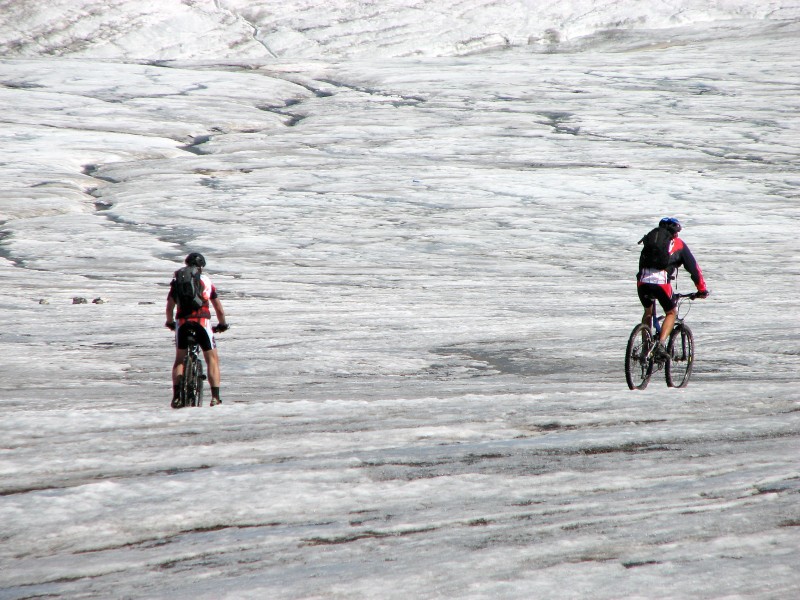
pixel 657 283
pixel 199 322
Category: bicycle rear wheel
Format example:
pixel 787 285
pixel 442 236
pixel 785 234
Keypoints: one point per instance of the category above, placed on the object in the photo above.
pixel 681 356
pixel 638 365
pixel 189 381
pixel 199 377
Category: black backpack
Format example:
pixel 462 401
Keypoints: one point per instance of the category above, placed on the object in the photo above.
pixel 188 289
pixel 655 254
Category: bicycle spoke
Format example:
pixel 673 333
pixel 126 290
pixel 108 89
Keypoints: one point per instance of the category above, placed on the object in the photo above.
pixel 681 350
pixel 638 362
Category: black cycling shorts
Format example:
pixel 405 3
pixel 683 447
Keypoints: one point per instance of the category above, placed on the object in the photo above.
pixel 654 291
pixel 203 335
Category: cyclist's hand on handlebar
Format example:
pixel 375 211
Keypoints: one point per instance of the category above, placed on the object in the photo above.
pixel 702 295
pixel 170 325
pixel 220 327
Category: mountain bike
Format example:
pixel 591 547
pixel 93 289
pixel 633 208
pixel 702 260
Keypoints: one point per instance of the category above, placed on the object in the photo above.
pixel 641 359
pixel 191 383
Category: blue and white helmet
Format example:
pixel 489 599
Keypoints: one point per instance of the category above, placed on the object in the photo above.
pixel 671 224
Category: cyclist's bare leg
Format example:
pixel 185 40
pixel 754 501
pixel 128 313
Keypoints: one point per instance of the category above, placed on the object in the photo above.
pixel 666 327
pixel 177 366
pixel 647 318
pixel 212 361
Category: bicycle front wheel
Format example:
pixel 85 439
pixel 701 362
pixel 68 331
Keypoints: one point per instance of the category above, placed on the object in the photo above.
pixel 638 363
pixel 681 356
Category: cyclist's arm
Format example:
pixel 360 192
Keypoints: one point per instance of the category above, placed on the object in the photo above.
pixel 170 310
pixel 220 312
pixel 690 264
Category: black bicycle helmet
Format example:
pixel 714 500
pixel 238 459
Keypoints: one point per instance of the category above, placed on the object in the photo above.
pixel 671 224
pixel 195 259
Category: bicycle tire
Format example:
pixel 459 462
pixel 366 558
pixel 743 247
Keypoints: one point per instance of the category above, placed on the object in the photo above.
pixel 681 356
pixel 638 365
pixel 199 377
pixel 187 382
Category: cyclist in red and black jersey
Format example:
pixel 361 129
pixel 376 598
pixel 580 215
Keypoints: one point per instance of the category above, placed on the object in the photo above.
pixel 199 322
pixel 653 283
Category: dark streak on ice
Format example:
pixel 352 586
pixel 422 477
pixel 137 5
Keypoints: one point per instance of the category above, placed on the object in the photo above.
pixel 111 476
pixel 194 147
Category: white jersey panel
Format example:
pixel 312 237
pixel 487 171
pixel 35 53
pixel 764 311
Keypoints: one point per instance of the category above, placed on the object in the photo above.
pixel 654 276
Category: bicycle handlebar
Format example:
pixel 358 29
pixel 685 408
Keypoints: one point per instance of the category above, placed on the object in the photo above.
pixel 216 328
pixel 692 296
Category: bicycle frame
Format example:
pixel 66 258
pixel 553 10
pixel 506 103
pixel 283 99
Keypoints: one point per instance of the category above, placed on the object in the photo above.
pixel 192 347
pixel 655 321
pixel 658 321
